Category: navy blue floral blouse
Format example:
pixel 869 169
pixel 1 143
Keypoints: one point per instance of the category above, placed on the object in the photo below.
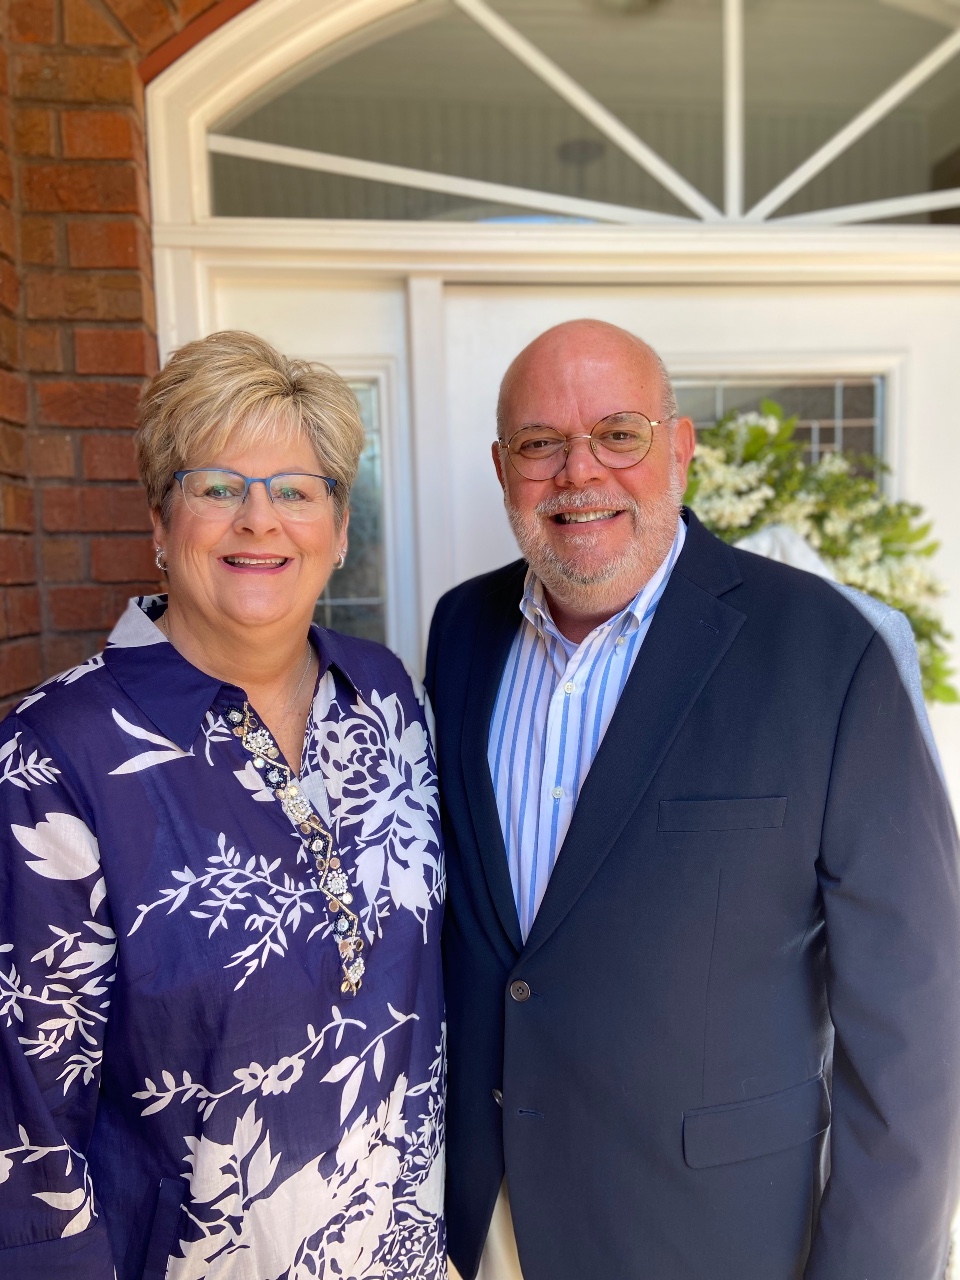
pixel 221 1040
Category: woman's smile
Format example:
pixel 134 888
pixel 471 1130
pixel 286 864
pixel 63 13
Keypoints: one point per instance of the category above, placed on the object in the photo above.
pixel 252 563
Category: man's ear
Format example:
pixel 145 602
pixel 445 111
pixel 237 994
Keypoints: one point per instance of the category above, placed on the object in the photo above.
pixel 497 451
pixel 684 444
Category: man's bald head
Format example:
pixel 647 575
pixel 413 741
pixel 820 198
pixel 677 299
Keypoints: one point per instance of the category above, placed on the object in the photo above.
pixel 597 528
pixel 576 341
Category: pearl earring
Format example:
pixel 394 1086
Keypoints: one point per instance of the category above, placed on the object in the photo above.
pixel 160 561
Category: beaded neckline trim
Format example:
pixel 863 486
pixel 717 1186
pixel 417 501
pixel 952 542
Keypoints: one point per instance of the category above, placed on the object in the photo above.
pixel 317 841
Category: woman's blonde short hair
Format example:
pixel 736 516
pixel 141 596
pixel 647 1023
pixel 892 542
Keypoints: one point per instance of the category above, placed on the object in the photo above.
pixel 233 390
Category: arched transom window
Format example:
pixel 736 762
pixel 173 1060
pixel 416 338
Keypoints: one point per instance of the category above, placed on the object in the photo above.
pixel 612 111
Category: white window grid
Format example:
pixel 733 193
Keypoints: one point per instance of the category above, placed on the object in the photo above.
pixel 821 434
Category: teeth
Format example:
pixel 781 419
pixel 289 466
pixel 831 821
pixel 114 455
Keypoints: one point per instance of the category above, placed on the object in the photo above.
pixel 254 560
pixel 581 517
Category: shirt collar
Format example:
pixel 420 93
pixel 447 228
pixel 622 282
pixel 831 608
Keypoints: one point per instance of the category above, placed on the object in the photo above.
pixel 173 693
pixel 535 608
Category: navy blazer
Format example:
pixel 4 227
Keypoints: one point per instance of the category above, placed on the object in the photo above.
pixel 754 920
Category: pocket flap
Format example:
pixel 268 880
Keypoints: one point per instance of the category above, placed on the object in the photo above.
pixel 747 814
pixel 743 1130
pixel 163 1233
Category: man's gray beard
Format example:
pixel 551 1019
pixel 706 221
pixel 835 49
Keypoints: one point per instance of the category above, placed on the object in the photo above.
pixel 615 583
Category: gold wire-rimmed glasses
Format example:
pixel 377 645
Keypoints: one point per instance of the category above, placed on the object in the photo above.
pixel 618 441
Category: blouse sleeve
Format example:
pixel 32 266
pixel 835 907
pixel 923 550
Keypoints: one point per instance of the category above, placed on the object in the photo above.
pixel 57 963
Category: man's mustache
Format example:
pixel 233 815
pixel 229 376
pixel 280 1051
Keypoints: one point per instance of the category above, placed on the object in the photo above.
pixel 585 498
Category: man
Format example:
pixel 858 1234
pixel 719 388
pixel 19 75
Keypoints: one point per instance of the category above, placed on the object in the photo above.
pixel 702 877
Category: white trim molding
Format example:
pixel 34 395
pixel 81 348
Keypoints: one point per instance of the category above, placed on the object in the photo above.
pixel 718 254
pixel 431 441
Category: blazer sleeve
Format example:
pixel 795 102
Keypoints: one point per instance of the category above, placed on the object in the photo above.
pixel 889 879
pixel 57 964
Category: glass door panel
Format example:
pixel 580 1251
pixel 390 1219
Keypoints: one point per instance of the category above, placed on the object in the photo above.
pixel 843 415
pixel 353 601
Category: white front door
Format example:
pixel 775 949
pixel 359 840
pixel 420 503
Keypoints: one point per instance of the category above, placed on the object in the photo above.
pixel 906 336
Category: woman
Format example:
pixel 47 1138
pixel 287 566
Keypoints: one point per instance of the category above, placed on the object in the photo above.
pixel 221 887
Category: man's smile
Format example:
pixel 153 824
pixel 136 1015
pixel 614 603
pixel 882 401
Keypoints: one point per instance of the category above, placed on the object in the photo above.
pixel 581 517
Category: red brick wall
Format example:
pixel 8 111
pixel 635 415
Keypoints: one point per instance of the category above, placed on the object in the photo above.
pixel 77 328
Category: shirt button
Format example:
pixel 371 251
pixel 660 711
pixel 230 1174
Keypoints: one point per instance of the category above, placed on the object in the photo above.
pixel 569 687
pixel 520 991
pixel 620 641
pixel 557 792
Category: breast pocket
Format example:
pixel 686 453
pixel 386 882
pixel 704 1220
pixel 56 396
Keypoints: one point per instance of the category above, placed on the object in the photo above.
pixel 760 1127
pixel 747 813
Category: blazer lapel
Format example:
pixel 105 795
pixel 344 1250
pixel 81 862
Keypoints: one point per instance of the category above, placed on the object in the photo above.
pixel 690 633
pixel 499 624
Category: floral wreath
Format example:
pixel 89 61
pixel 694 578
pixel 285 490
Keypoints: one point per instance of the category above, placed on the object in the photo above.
pixel 748 474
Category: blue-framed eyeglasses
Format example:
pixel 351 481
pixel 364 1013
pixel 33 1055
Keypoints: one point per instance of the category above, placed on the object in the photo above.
pixel 213 492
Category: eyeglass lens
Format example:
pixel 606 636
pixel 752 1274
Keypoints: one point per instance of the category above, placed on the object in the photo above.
pixel 298 496
pixel 622 440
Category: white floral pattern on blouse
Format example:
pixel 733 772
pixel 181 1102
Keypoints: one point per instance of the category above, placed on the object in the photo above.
pixel 187 1091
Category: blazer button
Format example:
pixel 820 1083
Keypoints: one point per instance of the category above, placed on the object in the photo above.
pixel 520 991
pixel 498 1097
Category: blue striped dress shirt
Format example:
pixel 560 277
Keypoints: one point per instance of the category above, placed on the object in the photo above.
pixel 555 701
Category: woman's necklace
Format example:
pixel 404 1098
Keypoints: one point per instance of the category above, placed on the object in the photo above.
pixel 303 675
pixel 291 702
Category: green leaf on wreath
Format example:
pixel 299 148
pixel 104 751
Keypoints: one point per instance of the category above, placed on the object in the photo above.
pixel 749 472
